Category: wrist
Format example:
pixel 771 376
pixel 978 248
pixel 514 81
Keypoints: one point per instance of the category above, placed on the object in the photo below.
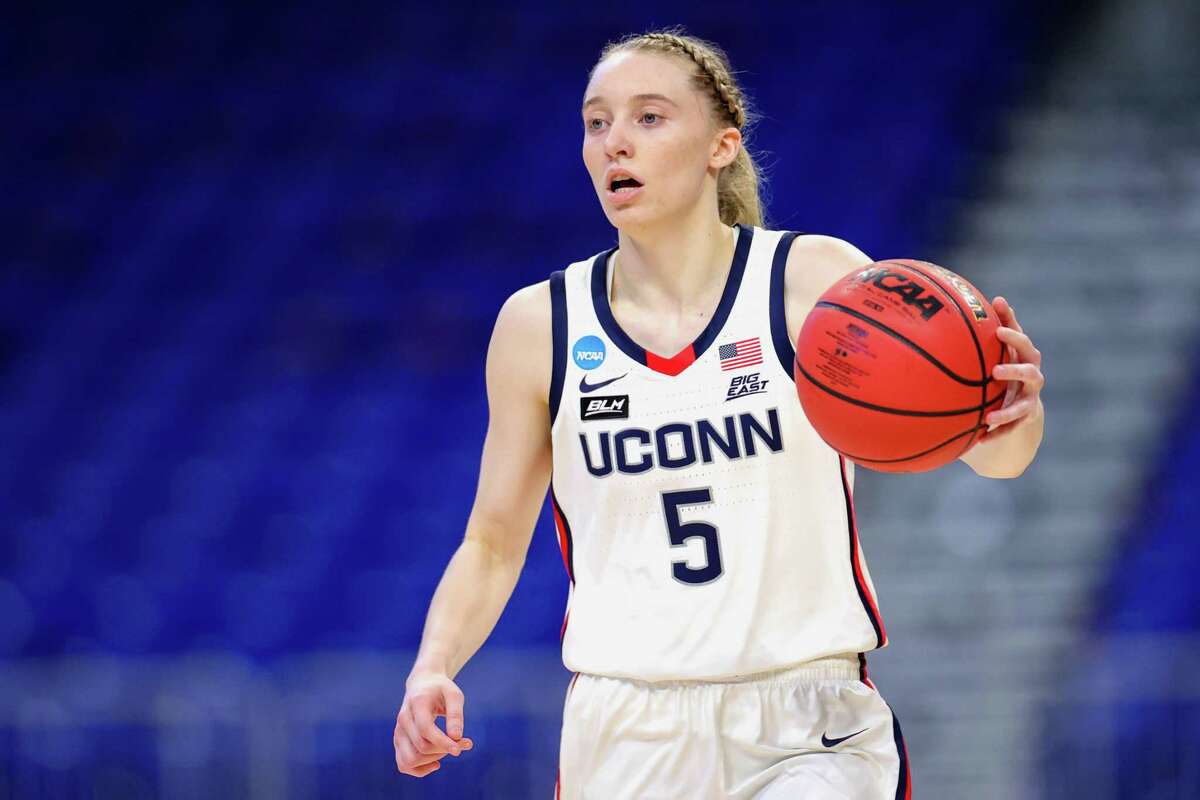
pixel 430 664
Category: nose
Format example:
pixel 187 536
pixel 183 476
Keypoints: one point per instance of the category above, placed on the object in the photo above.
pixel 617 141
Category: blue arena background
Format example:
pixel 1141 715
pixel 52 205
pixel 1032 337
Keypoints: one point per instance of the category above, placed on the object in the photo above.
pixel 251 258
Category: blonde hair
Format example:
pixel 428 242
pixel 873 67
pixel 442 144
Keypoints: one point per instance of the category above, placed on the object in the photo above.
pixel 738 184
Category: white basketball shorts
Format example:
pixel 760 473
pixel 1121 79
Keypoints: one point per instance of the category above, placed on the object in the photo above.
pixel 815 731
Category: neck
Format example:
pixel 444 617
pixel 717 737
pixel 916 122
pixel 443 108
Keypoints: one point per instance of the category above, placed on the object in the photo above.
pixel 675 268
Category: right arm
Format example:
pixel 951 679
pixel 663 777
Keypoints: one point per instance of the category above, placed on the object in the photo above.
pixel 514 474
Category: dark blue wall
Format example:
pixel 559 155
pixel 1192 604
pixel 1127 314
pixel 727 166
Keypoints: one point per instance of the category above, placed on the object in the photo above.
pixel 253 256
pixel 251 259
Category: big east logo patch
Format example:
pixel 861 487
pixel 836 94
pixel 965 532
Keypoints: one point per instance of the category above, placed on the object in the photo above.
pixel 897 283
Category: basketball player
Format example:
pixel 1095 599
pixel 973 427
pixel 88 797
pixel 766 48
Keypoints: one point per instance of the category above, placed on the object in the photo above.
pixel 720 605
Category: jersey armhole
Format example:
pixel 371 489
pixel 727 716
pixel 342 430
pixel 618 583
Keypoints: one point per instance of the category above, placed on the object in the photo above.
pixel 785 351
pixel 558 340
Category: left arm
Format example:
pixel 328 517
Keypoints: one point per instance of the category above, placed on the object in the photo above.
pixel 814 264
pixel 1014 431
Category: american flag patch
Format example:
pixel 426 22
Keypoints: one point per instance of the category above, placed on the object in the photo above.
pixel 745 353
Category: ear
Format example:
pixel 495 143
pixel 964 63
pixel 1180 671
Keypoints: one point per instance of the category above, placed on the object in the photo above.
pixel 725 145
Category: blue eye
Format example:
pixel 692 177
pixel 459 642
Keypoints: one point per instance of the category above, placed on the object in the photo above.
pixel 595 123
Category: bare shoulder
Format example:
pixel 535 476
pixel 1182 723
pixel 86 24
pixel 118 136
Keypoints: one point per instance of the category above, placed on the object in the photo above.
pixel 817 262
pixel 520 352
pixel 814 264
pixel 526 309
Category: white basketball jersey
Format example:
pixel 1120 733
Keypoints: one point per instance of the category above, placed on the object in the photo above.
pixel 707 529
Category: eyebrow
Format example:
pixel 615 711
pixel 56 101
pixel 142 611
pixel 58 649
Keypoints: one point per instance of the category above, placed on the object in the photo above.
pixel 591 101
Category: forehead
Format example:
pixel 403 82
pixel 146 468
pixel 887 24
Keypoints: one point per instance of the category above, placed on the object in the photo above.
pixel 624 75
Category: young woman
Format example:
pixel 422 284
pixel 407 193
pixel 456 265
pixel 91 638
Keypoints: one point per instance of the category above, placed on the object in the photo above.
pixel 720 605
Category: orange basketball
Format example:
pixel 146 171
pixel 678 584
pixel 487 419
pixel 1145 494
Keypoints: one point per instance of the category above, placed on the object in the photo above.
pixel 894 366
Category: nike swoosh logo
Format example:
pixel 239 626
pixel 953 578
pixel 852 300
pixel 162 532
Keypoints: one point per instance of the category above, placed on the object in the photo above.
pixel 586 387
pixel 827 742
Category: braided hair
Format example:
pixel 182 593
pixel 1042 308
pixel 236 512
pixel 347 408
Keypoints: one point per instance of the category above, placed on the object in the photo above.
pixel 738 183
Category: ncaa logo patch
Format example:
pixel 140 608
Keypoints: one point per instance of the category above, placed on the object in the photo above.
pixel 588 352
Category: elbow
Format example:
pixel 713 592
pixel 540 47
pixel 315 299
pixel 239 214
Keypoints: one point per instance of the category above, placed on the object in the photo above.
pixel 1007 475
pixel 497 550
pixel 1002 471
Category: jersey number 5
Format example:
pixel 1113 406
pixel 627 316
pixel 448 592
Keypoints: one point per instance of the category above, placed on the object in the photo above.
pixel 680 532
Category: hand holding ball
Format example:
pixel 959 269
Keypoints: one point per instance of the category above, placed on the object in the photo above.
pixel 894 366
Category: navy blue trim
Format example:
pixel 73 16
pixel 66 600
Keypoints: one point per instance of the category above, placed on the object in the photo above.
pixel 558 339
pixel 570 554
pixel 902 780
pixel 635 351
pixel 784 349
pixel 853 532
pixel 604 311
pixel 732 284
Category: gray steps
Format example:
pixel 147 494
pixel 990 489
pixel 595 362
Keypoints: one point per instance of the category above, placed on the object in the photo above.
pixel 1090 225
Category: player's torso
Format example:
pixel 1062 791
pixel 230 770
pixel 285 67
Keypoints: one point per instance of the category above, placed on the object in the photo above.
pixel 705 524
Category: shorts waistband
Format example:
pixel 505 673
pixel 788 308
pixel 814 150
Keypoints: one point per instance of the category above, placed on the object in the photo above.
pixel 833 668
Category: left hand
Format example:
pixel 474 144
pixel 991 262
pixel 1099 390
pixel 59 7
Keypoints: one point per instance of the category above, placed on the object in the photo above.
pixel 1023 371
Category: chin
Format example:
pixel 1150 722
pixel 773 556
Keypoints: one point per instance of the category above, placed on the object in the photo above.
pixel 633 219
pixel 629 223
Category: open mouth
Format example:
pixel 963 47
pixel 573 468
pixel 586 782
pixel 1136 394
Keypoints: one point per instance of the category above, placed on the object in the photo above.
pixel 623 185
